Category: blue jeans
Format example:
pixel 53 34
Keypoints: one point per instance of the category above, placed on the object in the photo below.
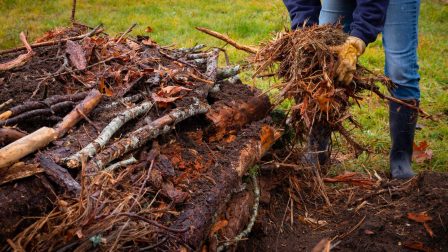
pixel 400 39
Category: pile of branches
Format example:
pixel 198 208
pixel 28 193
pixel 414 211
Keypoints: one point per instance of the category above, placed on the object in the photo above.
pixel 305 62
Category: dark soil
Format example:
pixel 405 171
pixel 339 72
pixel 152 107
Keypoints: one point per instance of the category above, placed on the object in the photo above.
pixel 381 225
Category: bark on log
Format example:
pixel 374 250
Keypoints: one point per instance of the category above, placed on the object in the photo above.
pixel 60 176
pixel 74 161
pixel 43 136
pixel 226 118
pixel 8 135
pixel 199 217
pixel 22 59
pixel 26 145
pixel 84 108
pixel 141 136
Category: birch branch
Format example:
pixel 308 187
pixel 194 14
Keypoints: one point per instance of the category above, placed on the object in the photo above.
pixel 141 136
pixel 74 161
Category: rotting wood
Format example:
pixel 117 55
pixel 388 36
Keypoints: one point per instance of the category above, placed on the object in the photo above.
pixel 22 59
pixel 60 176
pixel 227 72
pixel 19 170
pixel 43 136
pixel 122 163
pixel 140 136
pixel 228 117
pixel 200 217
pixel 74 161
pixel 227 39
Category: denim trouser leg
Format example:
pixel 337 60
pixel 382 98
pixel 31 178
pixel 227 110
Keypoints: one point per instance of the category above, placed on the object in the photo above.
pixel 333 10
pixel 400 39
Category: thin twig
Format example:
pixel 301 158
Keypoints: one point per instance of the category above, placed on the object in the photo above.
pixel 126 32
pixel 226 38
pixel 72 17
pixel 96 30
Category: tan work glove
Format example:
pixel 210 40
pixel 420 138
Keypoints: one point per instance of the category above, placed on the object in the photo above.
pixel 348 54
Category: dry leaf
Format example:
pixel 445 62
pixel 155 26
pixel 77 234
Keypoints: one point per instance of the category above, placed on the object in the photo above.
pixel 419 217
pixel 421 152
pixel 102 87
pixel 76 55
pixel 149 29
pixel 419 246
pixel 218 226
pixel 173 90
pixel 428 229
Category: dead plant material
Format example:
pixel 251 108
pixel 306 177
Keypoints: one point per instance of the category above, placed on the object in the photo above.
pixel 305 64
pixel 22 59
pixel 351 178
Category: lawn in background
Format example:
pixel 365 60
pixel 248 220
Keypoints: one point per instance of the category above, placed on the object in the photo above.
pixel 250 22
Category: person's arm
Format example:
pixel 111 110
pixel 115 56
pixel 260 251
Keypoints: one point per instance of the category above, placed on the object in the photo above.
pixel 303 10
pixel 368 19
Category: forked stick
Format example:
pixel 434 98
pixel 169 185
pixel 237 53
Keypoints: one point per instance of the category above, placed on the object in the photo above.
pixel 226 38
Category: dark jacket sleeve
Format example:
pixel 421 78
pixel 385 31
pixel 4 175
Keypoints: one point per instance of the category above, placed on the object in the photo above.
pixel 368 19
pixel 302 10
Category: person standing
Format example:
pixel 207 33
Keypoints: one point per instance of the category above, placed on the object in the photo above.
pixel 363 20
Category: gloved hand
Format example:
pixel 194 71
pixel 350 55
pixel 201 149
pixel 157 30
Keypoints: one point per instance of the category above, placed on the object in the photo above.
pixel 348 54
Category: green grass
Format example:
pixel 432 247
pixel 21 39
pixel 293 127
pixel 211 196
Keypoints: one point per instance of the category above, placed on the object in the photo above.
pixel 250 22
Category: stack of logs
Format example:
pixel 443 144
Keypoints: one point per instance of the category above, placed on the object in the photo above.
pixel 123 144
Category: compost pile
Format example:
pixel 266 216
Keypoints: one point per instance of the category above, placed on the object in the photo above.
pixel 141 146
pixel 305 61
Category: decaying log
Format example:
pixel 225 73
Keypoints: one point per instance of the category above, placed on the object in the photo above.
pixel 8 135
pixel 139 137
pixel 226 38
pixel 199 217
pixel 22 59
pixel 33 105
pixel 60 176
pixel 230 117
pixel 43 136
pixel 74 161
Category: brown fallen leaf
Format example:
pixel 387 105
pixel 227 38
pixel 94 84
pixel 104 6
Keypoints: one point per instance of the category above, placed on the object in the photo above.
pixel 421 152
pixel 149 29
pixel 218 226
pixel 173 90
pixel 102 87
pixel 428 229
pixel 323 246
pixel 421 217
pixel 76 55
pixel 419 246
